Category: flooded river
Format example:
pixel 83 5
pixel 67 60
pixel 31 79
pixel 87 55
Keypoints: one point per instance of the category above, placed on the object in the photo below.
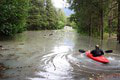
pixel 53 55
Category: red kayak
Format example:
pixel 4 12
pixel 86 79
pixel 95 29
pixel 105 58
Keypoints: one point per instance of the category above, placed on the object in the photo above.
pixel 101 59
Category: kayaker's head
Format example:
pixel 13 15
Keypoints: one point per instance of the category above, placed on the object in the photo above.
pixel 97 47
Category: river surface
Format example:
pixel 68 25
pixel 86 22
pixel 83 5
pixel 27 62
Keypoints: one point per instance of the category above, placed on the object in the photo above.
pixel 53 55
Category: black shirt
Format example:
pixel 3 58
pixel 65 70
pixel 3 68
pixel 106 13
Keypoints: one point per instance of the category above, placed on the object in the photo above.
pixel 96 53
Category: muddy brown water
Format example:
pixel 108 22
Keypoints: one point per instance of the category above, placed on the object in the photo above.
pixel 53 55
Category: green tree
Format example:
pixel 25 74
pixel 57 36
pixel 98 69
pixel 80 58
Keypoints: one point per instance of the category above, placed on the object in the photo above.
pixel 71 22
pixel 37 15
pixel 13 14
pixel 51 14
pixel 118 20
pixel 62 19
pixel 111 18
pixel 89 16
pixel 43 15
pixel 86 15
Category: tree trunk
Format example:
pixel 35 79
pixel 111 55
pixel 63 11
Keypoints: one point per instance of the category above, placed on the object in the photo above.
pixel 118 35
pixel 109 26
pixel 101 19
pixel 90 25
pixel 110 18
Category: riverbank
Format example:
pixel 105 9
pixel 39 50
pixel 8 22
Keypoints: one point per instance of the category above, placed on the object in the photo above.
pixel 112 36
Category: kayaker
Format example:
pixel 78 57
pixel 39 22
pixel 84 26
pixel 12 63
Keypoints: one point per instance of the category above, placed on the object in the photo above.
pixel 97 52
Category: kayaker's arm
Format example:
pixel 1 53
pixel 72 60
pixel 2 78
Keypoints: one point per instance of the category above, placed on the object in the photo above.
pixel 101 51
pixel 92 52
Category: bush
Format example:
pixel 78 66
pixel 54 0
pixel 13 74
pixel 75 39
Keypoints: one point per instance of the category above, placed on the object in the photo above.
pixel 61 24
pixel 13 14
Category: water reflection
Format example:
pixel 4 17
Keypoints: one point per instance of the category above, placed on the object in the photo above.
pixel 41 56
pixel 61 49
pixel 56 65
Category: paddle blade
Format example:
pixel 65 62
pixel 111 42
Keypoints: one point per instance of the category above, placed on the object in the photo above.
pixel 82 51
pixel 108 51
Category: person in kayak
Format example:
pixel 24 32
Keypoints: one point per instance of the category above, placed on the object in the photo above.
pixel 97 52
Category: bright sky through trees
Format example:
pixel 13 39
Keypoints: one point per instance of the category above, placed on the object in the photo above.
pixel 62 4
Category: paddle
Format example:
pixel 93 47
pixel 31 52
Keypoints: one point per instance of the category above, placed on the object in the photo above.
pixel 82 51
pixel 107 51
